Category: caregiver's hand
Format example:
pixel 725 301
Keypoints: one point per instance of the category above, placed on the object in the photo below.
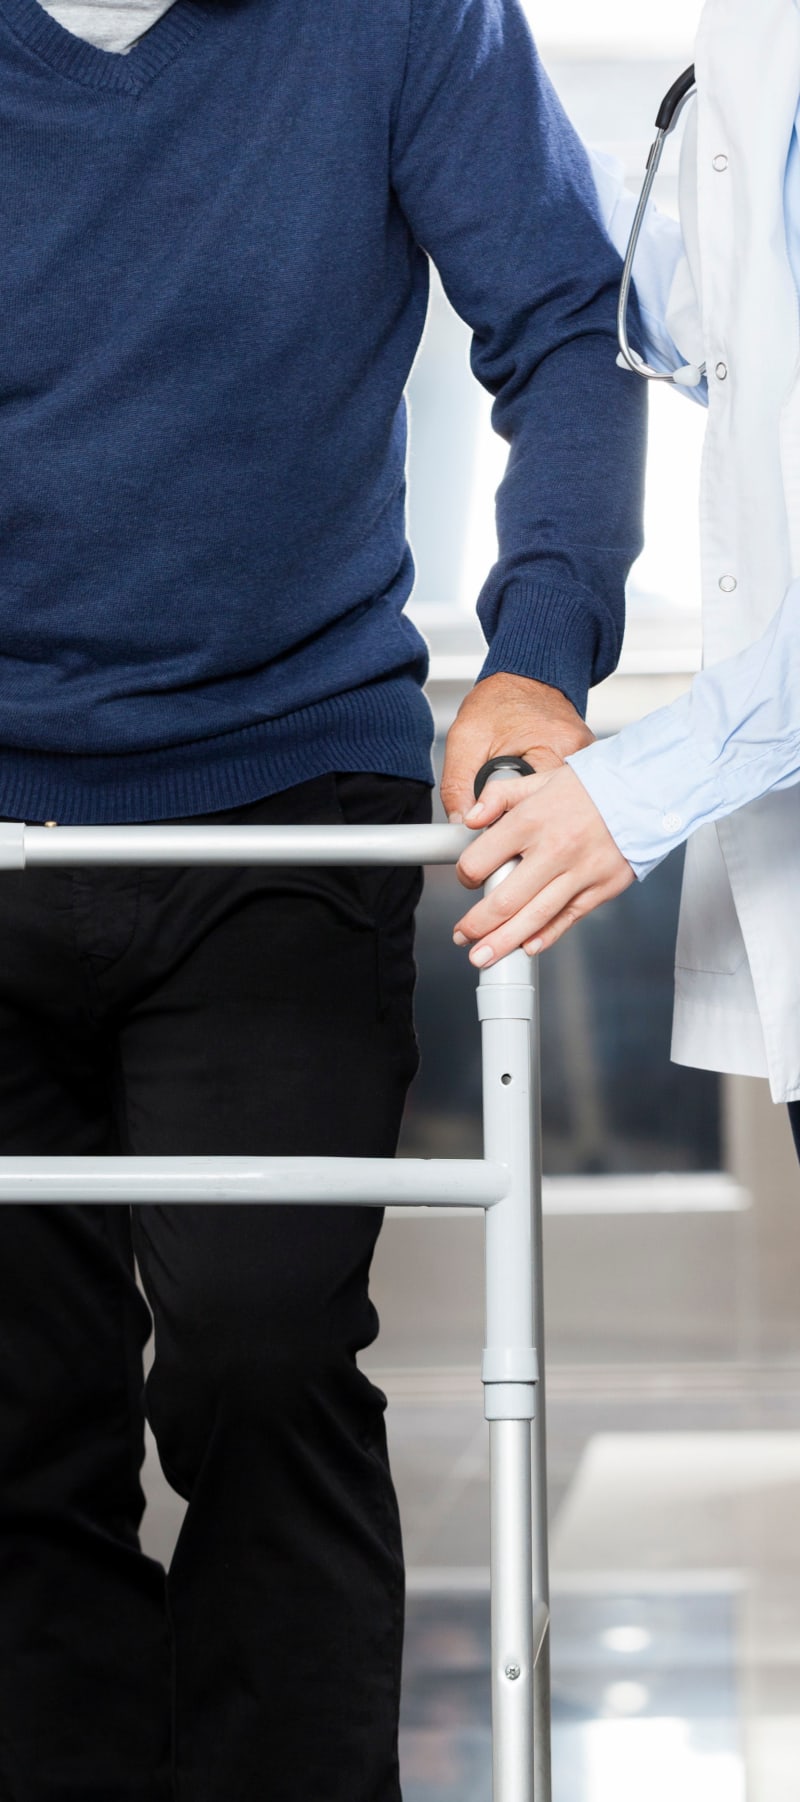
pixel 569 862
pixel 505 714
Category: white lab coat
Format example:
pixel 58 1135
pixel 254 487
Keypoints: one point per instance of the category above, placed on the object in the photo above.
pixel 733 305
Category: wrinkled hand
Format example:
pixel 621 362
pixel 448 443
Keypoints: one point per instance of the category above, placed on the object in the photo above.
pixel 569 863
pixel 506 715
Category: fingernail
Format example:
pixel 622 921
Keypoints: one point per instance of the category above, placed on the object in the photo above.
pixel 455 819
pixel 459 939
pixel 533 946
pixel 476 811
pixel 482 956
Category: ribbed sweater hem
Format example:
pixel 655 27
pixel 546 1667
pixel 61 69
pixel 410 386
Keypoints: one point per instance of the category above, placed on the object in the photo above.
pixel 385 728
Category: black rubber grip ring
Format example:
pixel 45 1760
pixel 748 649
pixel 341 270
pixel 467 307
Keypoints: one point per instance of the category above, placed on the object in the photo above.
pixel 510 766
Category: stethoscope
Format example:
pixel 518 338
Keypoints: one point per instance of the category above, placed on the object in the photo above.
pixel 689 375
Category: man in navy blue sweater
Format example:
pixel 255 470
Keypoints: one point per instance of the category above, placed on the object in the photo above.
pixel 216 224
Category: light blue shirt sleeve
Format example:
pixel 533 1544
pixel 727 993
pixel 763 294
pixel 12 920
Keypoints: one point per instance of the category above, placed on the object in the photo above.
pixel 733 737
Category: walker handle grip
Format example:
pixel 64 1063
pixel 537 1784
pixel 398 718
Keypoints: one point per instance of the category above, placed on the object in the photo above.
pixel 501 766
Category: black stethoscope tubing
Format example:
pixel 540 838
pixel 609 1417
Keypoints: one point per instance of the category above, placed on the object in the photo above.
pixel 668 114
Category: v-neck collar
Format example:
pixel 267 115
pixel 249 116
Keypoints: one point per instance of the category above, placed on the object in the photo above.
pixel 78 61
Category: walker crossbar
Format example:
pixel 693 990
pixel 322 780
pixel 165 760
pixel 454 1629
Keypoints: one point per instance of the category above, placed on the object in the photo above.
pixel 506 1184
pixel 26 847
pixel 359 1182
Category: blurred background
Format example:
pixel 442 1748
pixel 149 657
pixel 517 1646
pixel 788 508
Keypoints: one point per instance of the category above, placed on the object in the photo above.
pixel 672 1230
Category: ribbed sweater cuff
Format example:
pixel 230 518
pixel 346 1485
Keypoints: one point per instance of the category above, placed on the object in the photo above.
pixel 548 634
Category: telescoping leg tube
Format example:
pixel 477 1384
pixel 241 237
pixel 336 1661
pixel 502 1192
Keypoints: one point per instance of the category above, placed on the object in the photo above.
pixel 514 1390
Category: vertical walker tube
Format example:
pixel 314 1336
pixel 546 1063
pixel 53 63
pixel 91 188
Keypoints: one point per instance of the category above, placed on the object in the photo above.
pixel 513 1651
pixel 513 1390
pixel 542 1708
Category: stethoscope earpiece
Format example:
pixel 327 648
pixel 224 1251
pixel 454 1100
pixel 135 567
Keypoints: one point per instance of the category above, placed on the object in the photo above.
pixel 690 376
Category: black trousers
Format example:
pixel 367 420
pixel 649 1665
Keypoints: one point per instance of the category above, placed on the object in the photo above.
pixel 168 1012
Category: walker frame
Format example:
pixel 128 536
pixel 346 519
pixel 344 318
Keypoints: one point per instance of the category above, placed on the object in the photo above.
pixel 505 1183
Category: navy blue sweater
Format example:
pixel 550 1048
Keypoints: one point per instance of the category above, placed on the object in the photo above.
pixel 214 257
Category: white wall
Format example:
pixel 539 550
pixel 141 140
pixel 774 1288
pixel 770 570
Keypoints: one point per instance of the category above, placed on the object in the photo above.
pixel 620 28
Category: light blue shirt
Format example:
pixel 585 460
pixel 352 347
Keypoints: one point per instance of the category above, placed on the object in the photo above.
pixel 733 737
pixel 736 734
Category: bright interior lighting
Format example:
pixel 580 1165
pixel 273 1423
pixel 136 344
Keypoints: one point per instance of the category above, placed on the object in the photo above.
pixel 668 571
pixel 627 1639
pixel 620 28
pixel 480 536
pixel 626 1698
pixel 656 1761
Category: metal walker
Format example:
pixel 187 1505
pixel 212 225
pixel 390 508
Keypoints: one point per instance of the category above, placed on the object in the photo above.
pixel 505 1183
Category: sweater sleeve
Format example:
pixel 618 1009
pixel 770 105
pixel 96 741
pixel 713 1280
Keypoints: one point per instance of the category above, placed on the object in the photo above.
pixel 734 737
pixel 497 189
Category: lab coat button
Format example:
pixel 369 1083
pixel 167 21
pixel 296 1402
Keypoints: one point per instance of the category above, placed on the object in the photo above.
pixel 720 163
pixel 671 822
pixel 721 372
pixel 728 584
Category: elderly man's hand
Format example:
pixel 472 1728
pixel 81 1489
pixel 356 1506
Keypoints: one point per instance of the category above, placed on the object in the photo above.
pixel 569 863
pixel 502 716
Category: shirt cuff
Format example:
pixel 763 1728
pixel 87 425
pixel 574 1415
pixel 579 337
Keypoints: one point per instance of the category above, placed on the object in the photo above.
pixel 651 784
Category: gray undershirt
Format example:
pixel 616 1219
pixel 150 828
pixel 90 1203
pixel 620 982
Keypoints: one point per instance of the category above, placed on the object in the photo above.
pixel 108 24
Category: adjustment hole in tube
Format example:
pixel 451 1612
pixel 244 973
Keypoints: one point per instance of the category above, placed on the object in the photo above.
pixel 506 1078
